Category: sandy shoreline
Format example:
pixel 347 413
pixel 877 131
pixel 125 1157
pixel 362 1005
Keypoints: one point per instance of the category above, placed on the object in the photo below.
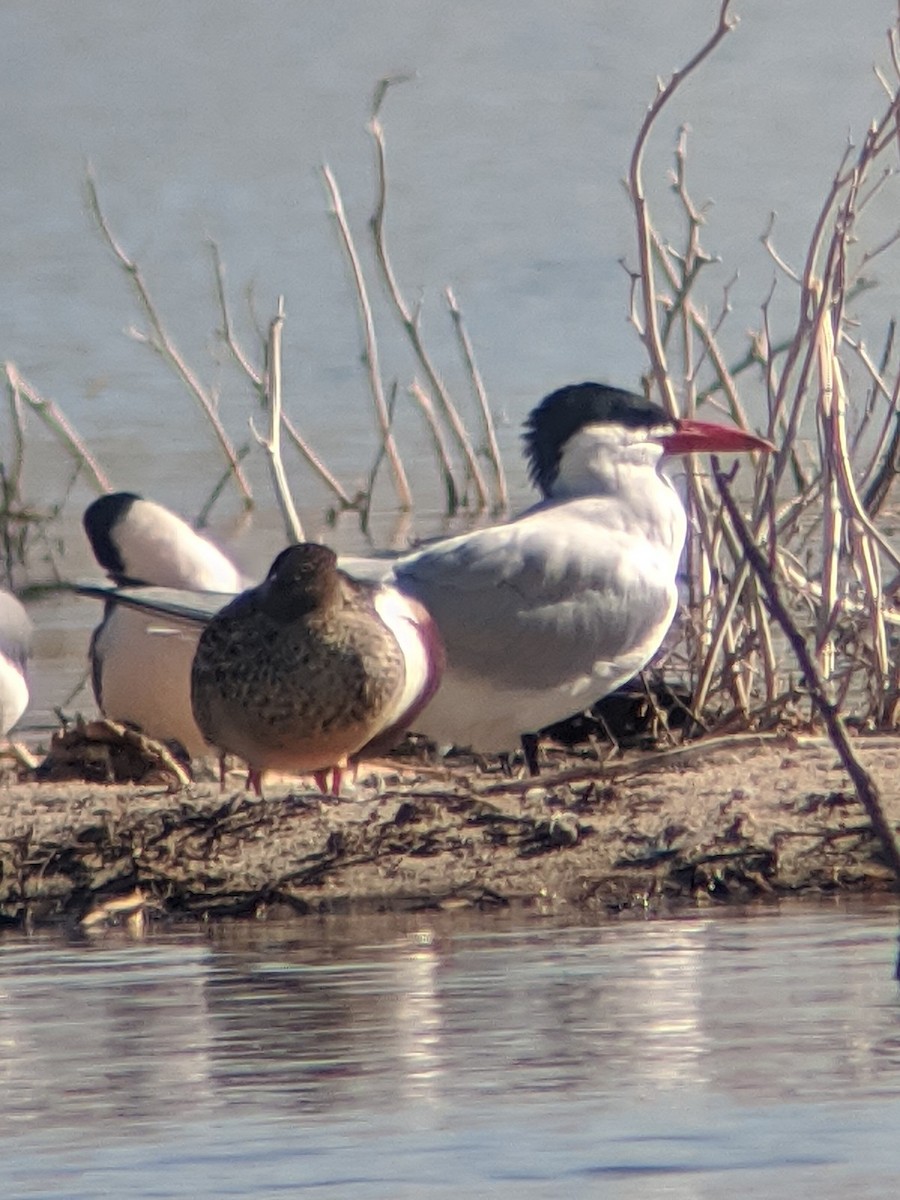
pixel 728 821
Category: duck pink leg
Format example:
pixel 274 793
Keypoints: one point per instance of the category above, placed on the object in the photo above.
pixel 321 778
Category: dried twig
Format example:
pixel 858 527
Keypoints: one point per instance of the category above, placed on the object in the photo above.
pixel 651 331
pixel 487 419
pixel 228 335
pixel 257 379
pixel 439 442
pixel 401 484
pixel 409 319
pixel 53 417
pixel 160 341
pixel 272 443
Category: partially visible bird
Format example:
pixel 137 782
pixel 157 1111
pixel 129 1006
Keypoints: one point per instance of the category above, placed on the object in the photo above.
pixel 141 672
pixel 15 648
pixel 312 669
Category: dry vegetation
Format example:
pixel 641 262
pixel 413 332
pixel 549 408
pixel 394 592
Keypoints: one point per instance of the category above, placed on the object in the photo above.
pixel 813 508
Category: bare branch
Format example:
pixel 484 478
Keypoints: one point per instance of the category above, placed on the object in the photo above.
pixel 651 336
pixel 163 344
pixel 490 433
pixel 258 380
pixel 331 481
pixel 55 420
pixel 408 319
pixel 766 239
pixel 423 400
pixel 401 484
pixel 866 790
pixel 228 335
pixel 272 443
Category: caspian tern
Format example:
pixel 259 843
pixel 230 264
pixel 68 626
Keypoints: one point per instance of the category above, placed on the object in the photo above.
pixel 546 614
pixel 312 669
pixel 15 648
pixel 141 671
pixel 543 615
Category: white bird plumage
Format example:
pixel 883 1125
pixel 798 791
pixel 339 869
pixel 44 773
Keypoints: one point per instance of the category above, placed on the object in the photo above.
pixel 15 649
pixel 141 670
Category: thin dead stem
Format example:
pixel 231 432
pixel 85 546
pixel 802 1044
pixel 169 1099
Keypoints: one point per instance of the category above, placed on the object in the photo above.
pixel 58 424
pixel 272 443
pixel 439 442
pixel 865 786
pixel 651 335
pixel 401 484
pixel 257 379
pixel 160 341
pixel 501 503
pixel 409 319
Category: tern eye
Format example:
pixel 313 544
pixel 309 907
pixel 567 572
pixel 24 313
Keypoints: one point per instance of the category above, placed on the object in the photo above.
pixel 658 432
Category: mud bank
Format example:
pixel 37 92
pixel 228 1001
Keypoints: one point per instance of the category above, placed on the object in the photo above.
pixel 742 818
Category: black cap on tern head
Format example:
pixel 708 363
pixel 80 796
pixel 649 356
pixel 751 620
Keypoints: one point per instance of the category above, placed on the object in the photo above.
pixel 564 412
pixel 100 518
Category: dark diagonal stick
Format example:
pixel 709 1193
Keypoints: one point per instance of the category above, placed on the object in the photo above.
pixel 867 792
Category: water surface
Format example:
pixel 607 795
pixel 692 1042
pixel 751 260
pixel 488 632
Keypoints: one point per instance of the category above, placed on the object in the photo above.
pixel 477 1056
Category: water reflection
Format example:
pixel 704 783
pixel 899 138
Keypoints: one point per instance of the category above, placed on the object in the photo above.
pixel 95 1036
pixel 518 1052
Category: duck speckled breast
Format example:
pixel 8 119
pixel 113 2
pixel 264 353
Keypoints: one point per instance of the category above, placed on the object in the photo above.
pixel 292 681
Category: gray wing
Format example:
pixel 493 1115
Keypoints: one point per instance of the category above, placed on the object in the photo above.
pixel 531 605
pixel 371 568
pixel 182 605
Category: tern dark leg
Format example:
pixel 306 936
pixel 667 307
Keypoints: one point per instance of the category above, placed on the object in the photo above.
pixel 530 746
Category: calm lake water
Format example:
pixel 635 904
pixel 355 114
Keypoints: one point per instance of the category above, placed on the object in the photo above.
pixel 756 1054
